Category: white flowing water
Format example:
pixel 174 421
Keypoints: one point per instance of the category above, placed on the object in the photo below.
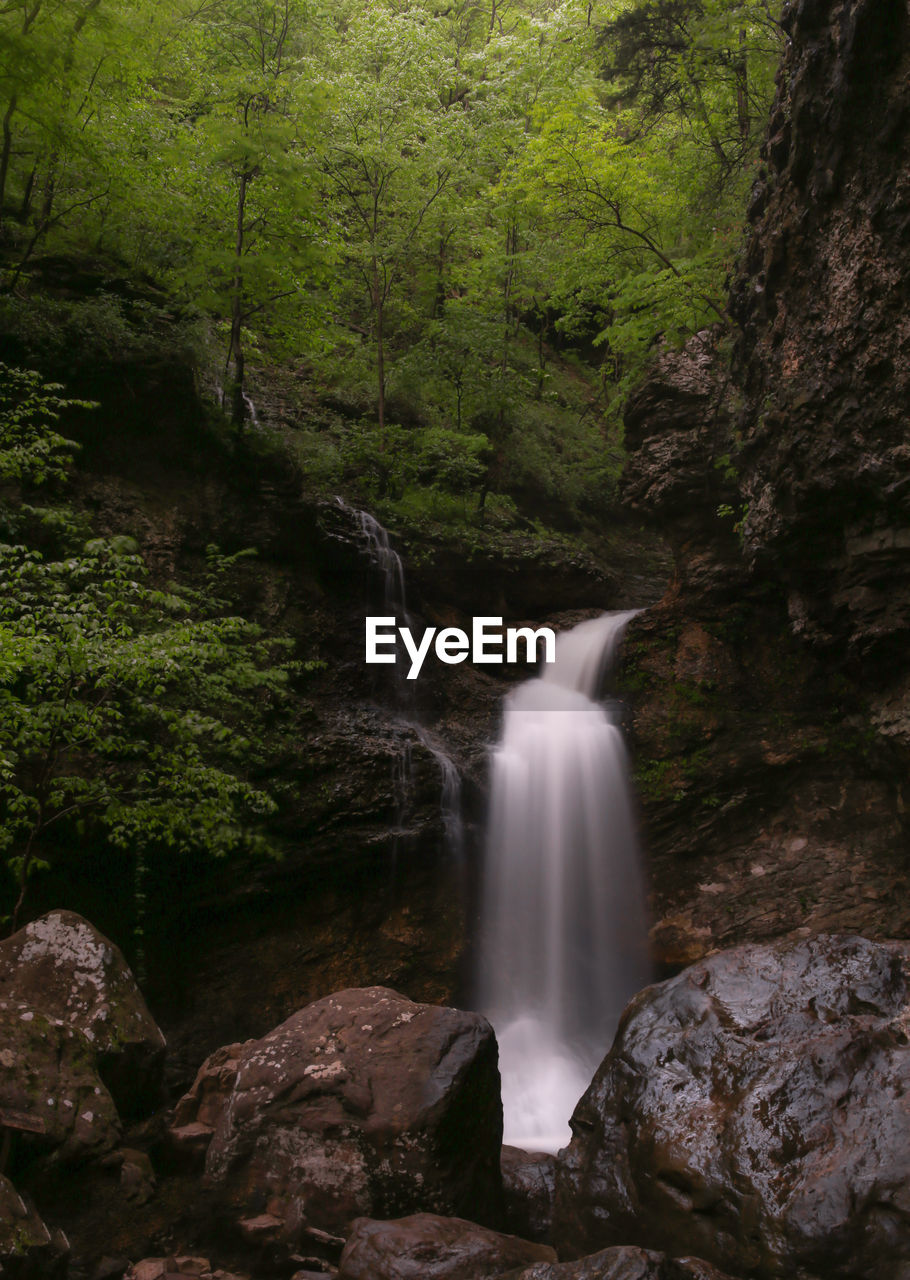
pixel 386 559
pixel 563 942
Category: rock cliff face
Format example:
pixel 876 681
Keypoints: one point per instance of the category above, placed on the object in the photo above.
pixel 771 714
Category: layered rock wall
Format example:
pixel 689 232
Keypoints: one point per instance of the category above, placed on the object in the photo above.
pixel 771 688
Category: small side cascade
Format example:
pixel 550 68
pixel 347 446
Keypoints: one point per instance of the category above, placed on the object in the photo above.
pixel 563 940
pixel 450 797
pixel 386 560
pixel 252 415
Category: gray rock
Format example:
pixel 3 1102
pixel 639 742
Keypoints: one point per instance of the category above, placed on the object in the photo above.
pixel 754 1110
pixel 28 1250
pixel 52 1100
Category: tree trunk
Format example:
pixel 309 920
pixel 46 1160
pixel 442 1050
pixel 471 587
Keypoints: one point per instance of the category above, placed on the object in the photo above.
pixel 26 207
pixel 542 332
pixel 50 188
pixel 378 299
pixel 439 296
pixel 380 369
pixel 235 346
pixel 742 90
pixel 6 151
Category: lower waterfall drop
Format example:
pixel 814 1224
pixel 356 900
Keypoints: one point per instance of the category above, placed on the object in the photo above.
pixel 563 940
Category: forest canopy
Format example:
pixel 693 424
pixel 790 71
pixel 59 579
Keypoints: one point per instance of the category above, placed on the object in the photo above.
pixel 477 216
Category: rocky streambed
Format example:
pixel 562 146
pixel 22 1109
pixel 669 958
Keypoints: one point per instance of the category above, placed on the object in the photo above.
pixel 751 1120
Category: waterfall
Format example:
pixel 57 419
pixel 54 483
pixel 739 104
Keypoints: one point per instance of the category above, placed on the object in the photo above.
pixel 563 941
pixel 386 560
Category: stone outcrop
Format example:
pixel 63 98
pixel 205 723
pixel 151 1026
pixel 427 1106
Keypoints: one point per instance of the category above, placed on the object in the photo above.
pixel 363 1103
pixel 771 687
pixel 427 1247
pixel 753 1111
pixel 824 355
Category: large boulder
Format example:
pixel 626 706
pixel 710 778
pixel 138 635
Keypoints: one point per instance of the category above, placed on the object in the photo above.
pixel 61 967
pixel 754 1111
pixel 427 1247
pixel 79 1050
pixel 362 1104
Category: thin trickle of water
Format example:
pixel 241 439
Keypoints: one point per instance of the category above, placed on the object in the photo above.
pixel 563 941
pixel 252 415
pixel 387 562
pixel 404 778
pixel 450 797
pixel 383 555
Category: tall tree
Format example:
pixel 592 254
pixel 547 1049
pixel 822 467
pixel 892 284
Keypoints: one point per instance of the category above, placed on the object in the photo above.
pixel 398 140
pixel 249 114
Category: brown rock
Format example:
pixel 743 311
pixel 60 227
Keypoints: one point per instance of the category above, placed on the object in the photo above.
pixel 63 967
pixel 754 1111
pixel 363 1102
pixel 427 1247
pixel 151 1269
pixel 137 1177
pixel 50 1088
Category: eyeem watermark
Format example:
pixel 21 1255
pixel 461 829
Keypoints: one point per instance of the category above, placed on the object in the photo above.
pixel 486 643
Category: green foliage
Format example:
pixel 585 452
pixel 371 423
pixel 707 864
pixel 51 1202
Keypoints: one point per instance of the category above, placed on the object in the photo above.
pixel 31 451
pixel 77 333
pixel 126 711
pixel 435 207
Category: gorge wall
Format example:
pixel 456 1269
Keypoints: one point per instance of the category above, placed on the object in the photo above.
pixel 771 687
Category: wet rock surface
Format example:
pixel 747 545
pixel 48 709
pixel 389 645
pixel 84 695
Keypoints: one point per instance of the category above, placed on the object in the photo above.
pixel 622 1262
pixel 528 1186
pixel 362 1103
pixel 427 1247
pixel 771 685
pixel 754 1111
